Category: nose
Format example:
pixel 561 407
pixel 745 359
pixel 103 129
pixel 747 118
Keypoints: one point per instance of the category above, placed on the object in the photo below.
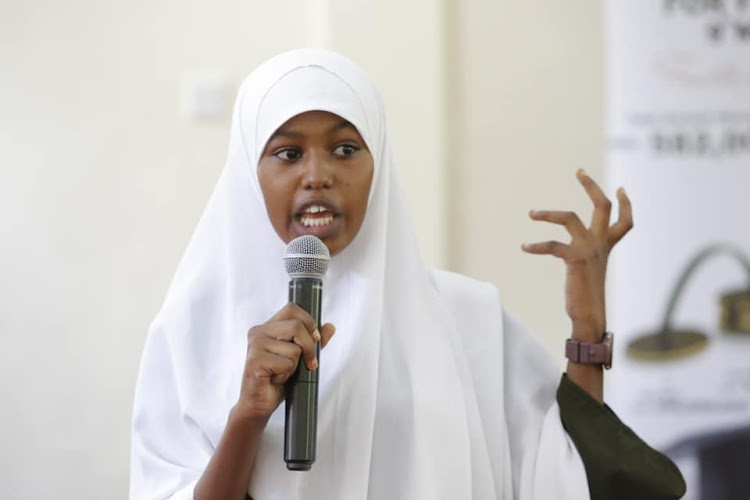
pixel 318 172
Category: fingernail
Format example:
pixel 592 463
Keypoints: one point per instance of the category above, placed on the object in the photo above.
pixel 316 335
pixel 314 364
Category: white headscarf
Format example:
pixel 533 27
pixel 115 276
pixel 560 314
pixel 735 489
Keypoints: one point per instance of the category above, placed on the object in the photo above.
pixel 398 414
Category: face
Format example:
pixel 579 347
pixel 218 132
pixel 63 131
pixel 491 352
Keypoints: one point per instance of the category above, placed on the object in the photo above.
pixel 315 173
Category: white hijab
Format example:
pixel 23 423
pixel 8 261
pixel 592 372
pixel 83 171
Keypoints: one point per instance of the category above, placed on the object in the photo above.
pixel 398 415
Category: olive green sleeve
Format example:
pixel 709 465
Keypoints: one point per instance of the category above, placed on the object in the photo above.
pixel 619 464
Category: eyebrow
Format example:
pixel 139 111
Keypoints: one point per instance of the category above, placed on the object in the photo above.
pixel 280 132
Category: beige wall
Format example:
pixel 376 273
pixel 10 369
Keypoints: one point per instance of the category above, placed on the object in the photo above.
pixel 525 114
pixel 492 106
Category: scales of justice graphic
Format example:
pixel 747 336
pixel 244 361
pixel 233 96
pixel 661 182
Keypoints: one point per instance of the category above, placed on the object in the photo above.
pixel 720 450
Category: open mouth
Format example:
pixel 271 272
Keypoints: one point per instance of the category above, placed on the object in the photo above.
pixel 316 215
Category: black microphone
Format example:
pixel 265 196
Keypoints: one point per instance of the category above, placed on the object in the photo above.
pixel 306 261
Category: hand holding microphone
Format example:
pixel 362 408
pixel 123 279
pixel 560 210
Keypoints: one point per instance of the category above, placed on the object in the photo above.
pixel 306 261
pixel 277 350
pixel 282 354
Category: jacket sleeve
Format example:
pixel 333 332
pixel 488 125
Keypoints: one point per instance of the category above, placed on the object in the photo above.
pixel 619 465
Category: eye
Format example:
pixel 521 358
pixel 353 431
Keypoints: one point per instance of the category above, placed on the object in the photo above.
pixel 345 150
pixel 288 154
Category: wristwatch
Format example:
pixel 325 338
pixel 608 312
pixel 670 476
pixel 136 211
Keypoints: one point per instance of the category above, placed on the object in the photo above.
pixel 591 354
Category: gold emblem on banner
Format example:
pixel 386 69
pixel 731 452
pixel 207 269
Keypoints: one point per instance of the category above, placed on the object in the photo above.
pixel 676 343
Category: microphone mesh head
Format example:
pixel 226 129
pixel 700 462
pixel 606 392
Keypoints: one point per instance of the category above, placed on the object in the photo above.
pixel 306 257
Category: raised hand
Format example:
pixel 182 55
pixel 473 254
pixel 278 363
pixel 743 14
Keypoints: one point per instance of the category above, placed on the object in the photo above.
pixel 586 256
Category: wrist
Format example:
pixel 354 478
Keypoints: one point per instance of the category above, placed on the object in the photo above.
pixel 589 331
pixel 590 378
pixel 243 417
pixel 591 353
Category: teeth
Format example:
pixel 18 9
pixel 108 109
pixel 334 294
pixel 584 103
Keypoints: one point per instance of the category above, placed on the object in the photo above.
pixel 315 222
pixel 314 209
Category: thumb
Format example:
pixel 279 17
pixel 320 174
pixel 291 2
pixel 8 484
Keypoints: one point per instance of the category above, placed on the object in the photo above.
pixel 326 332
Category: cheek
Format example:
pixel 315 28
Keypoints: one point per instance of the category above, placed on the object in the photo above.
pixel 276 199
pixel 362 188
pixel 280 219
pixel 366 185
pixel 278 209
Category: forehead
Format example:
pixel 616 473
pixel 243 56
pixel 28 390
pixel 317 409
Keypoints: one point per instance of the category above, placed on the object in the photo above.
pixel 309 89
pixel 313 123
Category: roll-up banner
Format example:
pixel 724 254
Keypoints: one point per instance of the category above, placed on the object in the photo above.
pixel 678 111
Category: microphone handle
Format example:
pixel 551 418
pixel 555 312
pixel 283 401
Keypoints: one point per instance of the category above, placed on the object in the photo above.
pixel 301 390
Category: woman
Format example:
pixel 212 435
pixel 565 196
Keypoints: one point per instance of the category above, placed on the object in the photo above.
pixel 428 388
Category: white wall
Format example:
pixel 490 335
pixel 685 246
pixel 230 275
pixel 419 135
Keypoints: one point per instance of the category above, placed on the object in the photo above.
pixel 102 183
pixel 492 105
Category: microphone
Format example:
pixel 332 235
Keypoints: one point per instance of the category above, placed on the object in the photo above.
pixel 306 261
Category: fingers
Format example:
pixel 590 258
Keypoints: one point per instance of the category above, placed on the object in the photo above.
pixel 624 220
pixel 570 220
pixel 292 326
pixel 284 372
pixel 293 332
pixel 293 311
pixel 275 347
pixel 279 368
pixel 547 248
pixel 602 205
